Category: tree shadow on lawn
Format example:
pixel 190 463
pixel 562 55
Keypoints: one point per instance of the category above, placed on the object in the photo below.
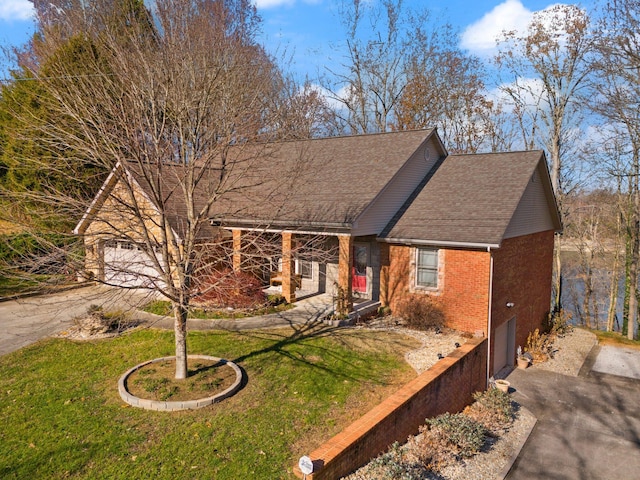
pixel 285 339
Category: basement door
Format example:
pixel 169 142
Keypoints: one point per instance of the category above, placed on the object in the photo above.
pixel 504 350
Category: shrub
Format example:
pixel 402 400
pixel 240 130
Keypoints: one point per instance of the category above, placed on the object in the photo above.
pixel 421 312
pixel 446 439
pixel 275 299
pixel 463 435
pixel 540 346
pixel 394 465
pixel 492 408
pixel 226 288
pixel 97 321
pixel 560 323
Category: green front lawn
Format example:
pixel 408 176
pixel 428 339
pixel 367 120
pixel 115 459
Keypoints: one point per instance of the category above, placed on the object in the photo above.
pixel 62 416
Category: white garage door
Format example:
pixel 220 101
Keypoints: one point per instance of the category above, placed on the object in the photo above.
pixel 128 266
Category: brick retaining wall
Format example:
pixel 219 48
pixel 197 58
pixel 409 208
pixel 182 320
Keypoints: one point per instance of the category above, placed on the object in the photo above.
pixel 448 386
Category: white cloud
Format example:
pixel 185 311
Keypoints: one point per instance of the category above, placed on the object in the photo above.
pixel 529 90
pixel 16 10
pixel 329 97
pixel 480 37
pixel 273 3
pixel 280 3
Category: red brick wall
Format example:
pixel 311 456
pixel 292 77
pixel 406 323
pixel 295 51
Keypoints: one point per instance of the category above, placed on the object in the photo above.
pixel 522 274
pixel 466 289
pixel 463 287
pixel 446 387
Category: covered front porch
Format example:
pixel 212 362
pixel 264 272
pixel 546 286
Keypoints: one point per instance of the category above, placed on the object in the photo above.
pixel 301 264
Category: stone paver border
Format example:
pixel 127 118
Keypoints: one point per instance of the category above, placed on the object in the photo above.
pixel 179 405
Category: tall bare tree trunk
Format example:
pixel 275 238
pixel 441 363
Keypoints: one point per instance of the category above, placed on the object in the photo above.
pixel 613 289
pixel 633 267
pixel 180 333
pixel 557 303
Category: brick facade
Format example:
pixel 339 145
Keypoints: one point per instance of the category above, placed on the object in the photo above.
pixel 522 275
pixel 463 284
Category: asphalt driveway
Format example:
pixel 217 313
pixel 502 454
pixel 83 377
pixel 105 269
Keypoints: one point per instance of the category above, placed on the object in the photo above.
pixel 588 426
pixel 27 320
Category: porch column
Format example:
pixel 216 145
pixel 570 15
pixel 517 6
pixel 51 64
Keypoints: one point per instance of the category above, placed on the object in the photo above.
pixel 237 250
pixel 288 268
pixel 345 263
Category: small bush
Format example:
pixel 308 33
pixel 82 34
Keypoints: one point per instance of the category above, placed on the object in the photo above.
pixel 492 408
pixel 446 439
pixel 394 465
pixel 226 288
pixel 275 300
pixel 463 435
pixel 97 321
pixel 560 323
pixel 540 346
pixel 421 312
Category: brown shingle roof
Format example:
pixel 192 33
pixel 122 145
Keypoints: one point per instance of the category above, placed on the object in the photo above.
pixel 320 182
pixel 325 181
pixel 469 199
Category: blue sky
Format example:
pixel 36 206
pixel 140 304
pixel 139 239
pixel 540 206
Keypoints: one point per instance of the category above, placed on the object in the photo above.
pixel 309 31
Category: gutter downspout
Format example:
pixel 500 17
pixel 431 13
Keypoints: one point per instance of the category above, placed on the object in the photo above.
pixel 489 322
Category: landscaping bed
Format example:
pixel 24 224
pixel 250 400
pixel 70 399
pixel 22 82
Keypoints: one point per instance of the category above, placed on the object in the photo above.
pixel 156 381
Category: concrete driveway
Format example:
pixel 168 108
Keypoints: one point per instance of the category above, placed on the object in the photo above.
pixel 588 426
pixel 29 319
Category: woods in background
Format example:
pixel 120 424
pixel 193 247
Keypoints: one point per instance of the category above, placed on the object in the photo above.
pixel 113 80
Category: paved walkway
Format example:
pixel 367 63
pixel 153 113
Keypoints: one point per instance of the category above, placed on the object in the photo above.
pixel 307 311
pixel 588 426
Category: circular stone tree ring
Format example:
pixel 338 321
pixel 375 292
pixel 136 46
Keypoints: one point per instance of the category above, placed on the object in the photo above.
pixel 178 405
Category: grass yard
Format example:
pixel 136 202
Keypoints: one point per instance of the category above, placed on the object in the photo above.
pixel 62 416
pixel 615 339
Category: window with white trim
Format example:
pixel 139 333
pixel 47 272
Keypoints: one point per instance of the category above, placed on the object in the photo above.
pixel 427 267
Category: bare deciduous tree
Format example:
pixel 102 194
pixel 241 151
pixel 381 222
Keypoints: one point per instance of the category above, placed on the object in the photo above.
pixel 368 85
pixel 549 66
pixel 445 88
pixel 618 88
pixel 173 101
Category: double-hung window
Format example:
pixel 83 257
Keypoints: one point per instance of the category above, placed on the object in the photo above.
pixel 427 267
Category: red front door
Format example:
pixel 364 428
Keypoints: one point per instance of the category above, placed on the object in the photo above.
pixel 359 269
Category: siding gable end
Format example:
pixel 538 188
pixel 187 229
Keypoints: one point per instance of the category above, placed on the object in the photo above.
pixel 393 195
pixel 533 213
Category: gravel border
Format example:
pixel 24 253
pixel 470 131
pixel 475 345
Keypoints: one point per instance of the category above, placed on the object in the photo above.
pixel 569 352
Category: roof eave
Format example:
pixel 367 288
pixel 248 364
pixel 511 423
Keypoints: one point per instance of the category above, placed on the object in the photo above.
pixel 97 201
pixel 276 226
pixel 441 243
